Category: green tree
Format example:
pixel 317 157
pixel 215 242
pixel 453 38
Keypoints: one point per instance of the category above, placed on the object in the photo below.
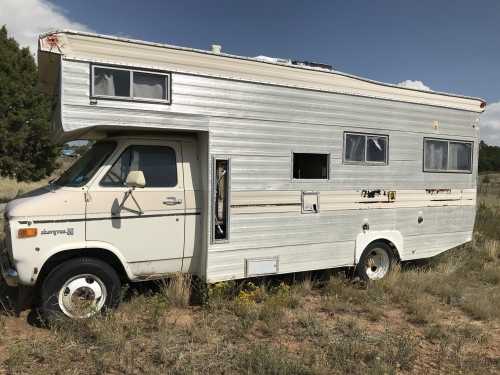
pixel 26 149
pixel 489 158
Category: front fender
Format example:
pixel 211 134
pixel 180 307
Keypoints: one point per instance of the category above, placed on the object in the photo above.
pixel 29 262
pixel 84 245
pixel 107 246
pixel 365 238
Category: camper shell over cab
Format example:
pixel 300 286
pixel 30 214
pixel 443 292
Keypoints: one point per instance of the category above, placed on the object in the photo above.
pixel 229 167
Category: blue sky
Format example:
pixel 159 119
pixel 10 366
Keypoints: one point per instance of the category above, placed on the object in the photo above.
pixel 449 45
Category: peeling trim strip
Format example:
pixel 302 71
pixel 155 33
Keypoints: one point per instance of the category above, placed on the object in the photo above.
pixel 114 218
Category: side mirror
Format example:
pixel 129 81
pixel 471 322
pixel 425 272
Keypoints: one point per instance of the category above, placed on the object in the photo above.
pixel 135 179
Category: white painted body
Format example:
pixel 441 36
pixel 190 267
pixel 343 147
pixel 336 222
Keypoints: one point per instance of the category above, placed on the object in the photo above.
pixel 255 114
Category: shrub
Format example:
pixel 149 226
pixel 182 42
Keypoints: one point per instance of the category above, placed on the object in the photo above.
pixel 178 289
pixel 220 293
pixel 353 351
pixel 399 351
pixel 264 359
pixel 309 325
pixel 482 305
pixel 27 148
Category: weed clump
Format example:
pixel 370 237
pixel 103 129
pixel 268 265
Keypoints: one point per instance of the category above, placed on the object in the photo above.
pixel 353 350
pixel 264 359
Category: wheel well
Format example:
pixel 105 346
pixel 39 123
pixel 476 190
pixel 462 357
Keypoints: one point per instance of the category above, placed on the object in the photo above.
pixel 104 255
pixel 389 243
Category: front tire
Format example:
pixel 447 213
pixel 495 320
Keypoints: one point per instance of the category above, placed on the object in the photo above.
pixel 79 288
pixel 375 262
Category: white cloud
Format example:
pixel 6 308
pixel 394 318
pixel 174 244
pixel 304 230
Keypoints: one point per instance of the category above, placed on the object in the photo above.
pixel 419 85
pixel 26 19
pixel 490 124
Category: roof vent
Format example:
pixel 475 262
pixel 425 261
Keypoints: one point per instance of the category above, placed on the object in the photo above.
pixel 312 64
pixel 216 48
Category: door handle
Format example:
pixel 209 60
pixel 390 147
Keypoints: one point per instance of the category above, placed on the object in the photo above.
pixel 172 201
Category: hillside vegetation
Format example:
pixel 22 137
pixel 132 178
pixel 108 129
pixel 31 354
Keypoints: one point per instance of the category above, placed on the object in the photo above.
pixel 436 317
pixel 489 158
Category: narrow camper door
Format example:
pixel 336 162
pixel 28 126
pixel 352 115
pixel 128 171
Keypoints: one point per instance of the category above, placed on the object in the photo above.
pixel 145 225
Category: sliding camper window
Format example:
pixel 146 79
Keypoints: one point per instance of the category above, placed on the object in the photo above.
pixel 158 163
pixel 310 166
pixel 362 148
pixel 443 155
pixel 130 84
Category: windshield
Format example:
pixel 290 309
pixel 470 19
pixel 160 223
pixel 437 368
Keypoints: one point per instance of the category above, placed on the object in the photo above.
pixel 85 167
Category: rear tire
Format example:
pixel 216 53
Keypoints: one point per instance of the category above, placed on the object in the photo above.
pixel 79 288
pixel 375 262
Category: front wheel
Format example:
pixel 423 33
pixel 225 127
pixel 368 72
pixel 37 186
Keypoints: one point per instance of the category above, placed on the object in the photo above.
pixel 80 288
pixel 375 262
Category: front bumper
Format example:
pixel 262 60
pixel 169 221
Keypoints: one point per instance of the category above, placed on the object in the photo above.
pixel 9 273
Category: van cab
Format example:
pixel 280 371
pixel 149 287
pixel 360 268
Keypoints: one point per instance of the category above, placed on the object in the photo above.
pixel 134 201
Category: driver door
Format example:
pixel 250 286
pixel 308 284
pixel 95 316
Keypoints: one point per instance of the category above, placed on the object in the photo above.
pixel 145 225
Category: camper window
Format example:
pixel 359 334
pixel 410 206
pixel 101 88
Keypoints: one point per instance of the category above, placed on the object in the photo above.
pixel 441 155
pixel 147 85
pixel 365 148
pixel 111 82
pixel 158 163
pixel 310 166
pixel 130 84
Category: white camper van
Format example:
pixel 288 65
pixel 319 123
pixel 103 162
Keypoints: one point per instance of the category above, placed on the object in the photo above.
pixel 228 167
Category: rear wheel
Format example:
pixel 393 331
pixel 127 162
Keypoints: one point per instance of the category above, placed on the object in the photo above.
pixel 80 288
pixel 375 262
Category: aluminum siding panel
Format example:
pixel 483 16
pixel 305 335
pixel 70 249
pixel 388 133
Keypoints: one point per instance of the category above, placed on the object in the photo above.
pixel 127 52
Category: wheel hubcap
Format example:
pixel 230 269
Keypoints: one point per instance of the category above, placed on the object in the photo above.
pixel 82 296
pixel 377 264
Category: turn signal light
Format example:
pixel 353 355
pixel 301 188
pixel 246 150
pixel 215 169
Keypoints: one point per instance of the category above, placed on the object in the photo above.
pixel 27 232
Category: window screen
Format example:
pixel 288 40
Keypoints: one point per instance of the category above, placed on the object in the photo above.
pixel 436 155
pixel 148 85
pixel 364 148
pixel 158 163
pixel 442 155
pixel 355 147
pixel 460 156
pixel 310 166
pixel 111 82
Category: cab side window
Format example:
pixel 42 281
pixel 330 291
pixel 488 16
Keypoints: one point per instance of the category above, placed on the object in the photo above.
pixel 158 163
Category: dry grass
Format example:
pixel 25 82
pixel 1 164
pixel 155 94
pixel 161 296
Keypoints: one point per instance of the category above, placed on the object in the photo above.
pixel 442 317
pixel 10 188
pixel 177 289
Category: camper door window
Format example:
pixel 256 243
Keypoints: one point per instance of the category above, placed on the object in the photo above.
pixel 366 148
pixel 130 84
pixel 443 155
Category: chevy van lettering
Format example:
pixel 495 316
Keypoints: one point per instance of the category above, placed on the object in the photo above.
pixel 55 232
